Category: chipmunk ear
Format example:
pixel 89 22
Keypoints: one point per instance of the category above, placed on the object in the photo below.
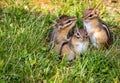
pixel 76 32
pixel 96 11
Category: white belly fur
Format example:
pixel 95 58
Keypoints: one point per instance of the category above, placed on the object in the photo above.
pixel 93 37
pixel 88 27
pixel 81 47
pixel 71 56
pixel 93 40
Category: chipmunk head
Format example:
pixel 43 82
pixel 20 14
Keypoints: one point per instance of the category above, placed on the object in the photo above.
pixel 65 22
pixel 80 34
pixel 90 14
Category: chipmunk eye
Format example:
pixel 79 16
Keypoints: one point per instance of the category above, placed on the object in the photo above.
pixel 78 34
pixel 90 15
pixel 68 21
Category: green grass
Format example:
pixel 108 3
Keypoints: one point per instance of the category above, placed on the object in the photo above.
pixel 24 55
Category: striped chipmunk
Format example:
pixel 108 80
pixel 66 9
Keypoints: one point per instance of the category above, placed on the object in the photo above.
pixel 60 33
pixel 99 32
pixel 77 44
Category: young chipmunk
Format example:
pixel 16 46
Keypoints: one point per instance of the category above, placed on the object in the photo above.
pixel 77 44
pixel 59 35
pixel 98 30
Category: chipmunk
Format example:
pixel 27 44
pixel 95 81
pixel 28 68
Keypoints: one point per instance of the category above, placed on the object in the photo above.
pixel 98 30
pixel 77 44
pixel 59 35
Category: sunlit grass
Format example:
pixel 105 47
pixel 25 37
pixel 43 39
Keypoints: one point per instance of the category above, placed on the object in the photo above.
pixel 24 56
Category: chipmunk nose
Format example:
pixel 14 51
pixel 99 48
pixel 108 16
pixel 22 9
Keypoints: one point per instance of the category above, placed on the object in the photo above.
pixel 74 19
pixel 87 37
pixel 82 17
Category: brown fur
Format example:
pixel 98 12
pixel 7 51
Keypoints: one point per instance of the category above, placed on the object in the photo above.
pixel 99 29
pixel 60 32
pixel 70 49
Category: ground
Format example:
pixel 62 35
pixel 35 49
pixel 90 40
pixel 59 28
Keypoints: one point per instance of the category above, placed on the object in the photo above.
pixel 24 56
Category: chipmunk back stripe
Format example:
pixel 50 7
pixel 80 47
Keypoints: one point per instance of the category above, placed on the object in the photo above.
pixel 105 27
pixel 109 34
pixel 62 47
pixel 107 30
